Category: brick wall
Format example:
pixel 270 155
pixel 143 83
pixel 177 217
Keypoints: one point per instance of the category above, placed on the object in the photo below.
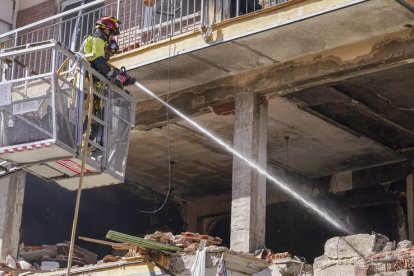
pixel 35 13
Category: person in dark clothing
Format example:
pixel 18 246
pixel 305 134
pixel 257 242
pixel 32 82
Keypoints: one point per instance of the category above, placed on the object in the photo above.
pixel 98 48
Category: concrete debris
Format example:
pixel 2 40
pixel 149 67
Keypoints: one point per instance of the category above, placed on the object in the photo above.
pixel 50 257
pixel 15 267
pixel 24 265
pixel 182 262
pixel 237 262
pixel 284 264
pixel 11 262
pixel 374 255
pixel 289 269
pixel 262 262
pixel 14 264
pixel 355 245
pixel 390 246
pixel 49 265
pixel 404 244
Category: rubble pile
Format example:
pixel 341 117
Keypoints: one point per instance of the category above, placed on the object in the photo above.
pixel 14 267
pixel 47 258
pixel 262 260
pixel 181 261
pixel 175 253
pixel 56 256
pixel 262 263
pixel 365 255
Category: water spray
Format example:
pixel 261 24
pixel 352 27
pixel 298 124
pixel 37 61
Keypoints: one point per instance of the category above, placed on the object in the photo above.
pixel 323 214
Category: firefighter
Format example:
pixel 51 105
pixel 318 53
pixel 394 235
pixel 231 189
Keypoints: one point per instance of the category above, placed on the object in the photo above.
pixel 105 29
pixel 98 48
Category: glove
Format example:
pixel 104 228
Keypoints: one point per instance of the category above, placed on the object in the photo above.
pixel 129 80
pixel 120 80
pixel 123 79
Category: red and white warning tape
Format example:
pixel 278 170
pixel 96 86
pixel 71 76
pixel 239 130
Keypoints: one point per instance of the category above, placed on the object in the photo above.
pixel 26 147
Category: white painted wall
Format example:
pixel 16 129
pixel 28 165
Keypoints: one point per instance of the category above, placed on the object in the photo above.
pixel 6 15
pixel 24 4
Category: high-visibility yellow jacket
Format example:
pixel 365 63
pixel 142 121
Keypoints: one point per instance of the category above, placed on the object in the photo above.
pixel 94 45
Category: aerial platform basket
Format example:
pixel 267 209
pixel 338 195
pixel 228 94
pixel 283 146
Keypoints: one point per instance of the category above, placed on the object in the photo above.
pixel 43 117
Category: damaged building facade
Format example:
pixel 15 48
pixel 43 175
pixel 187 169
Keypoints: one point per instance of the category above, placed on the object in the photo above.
pixel 318 93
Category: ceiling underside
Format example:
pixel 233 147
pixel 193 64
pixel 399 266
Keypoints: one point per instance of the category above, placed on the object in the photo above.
pixel 345 125
pixel 352 124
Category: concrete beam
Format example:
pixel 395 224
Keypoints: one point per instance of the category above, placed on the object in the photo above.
pixel 359 59
pixel 190 216
pixel 331 94
pixel 249 189
pixel 11 207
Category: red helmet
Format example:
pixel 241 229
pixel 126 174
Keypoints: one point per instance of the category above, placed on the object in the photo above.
pixel 108 22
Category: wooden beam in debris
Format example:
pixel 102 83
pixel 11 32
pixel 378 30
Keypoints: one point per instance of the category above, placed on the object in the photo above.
pixel 121 237
pixel 113 244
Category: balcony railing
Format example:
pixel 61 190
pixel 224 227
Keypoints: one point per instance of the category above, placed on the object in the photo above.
pixel 143 21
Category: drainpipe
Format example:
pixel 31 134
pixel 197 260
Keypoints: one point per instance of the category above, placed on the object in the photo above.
pixel 76 30
pixel 15 9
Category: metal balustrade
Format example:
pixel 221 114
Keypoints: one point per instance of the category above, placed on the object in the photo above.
pixel 143 21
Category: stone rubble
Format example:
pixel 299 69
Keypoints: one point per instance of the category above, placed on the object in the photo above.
pixel 262 262
pixel 365 255
pixel 270 263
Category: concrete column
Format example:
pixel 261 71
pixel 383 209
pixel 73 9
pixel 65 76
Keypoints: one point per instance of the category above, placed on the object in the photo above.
pixel 11 207
pixel 248 208
pixel 191 216
pixel 410 205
